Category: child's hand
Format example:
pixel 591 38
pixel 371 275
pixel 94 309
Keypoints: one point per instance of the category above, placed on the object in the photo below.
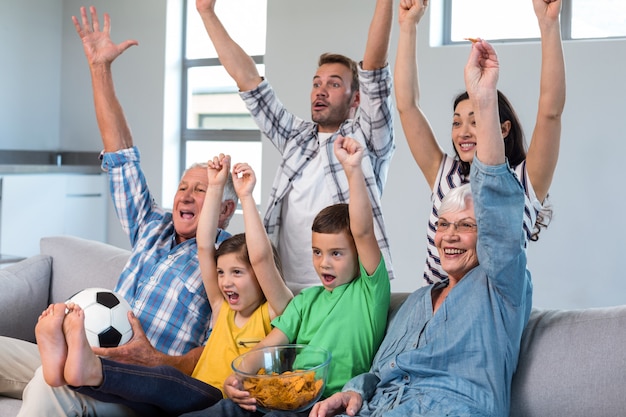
pixel 234 391
pixel 244 179
pixel 217 169
pixel 348 151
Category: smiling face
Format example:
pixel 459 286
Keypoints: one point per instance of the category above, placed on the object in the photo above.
pixel 464 131
pixel 188 203
pixel 334 258
pixel 457 251
pixel 332 97
pixel 238 284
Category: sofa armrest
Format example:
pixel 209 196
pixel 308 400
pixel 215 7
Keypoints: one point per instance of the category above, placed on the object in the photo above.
pixel 25 287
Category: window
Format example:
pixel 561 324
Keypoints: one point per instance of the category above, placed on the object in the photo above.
pixel 214 118
pixel 580 19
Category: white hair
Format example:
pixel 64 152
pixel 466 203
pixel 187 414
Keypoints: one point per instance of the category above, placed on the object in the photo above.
pixel 456 199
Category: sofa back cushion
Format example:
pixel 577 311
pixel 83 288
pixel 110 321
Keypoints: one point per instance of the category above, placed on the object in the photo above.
pixel 572 363
pixel 80 263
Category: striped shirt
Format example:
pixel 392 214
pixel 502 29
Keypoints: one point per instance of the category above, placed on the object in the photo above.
pixel 161 280
pixel 297 141
pixel 449 177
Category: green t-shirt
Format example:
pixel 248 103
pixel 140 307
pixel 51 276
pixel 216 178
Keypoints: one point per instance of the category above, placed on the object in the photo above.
pixel 349 322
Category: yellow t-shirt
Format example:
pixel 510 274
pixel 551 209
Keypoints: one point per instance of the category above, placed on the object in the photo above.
pixel 227 341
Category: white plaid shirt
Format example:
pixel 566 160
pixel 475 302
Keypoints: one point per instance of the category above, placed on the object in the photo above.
pixel 297 141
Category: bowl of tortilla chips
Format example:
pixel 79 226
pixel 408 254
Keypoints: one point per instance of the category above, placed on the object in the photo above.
pixel 283 378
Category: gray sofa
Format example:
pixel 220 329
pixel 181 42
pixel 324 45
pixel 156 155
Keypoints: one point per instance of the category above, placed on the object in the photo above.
pixel 573 363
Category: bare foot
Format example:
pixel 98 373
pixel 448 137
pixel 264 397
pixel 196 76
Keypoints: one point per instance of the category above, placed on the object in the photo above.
pixel 82 366
pixel 51 344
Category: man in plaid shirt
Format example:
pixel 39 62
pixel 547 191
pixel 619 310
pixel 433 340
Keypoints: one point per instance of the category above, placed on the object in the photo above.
pixel 309 176
pixel 162 279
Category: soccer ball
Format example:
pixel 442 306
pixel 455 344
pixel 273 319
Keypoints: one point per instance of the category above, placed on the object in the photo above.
pixel 106 320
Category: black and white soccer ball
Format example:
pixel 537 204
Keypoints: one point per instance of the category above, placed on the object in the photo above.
pixel 106 319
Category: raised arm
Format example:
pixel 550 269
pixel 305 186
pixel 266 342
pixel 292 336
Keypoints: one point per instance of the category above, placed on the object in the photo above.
pixel 101 52
pixel 238 64
pixel 350 153
pixel 417 130
pixel 377 46
pixel 543 151
pixel 259 245
pixel 481 78
pixel 217 175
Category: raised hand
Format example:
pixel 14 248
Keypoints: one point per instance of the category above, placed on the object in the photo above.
pixel 412 11
pixel 482 69
pixel 97 43
pixel 348 151
pixel 205 5
pixel 244 179
pixel 547 10
pixel 217 170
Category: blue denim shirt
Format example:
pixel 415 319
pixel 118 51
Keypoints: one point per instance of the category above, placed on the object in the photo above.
pixel 460 361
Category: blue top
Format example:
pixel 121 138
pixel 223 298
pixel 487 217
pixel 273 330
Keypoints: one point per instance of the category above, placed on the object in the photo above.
pixel 460 361
pixel 161 280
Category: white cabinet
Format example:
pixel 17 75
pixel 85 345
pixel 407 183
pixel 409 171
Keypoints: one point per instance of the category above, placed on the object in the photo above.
pixel 37 205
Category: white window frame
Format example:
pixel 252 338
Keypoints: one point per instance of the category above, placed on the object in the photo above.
pixel 186 134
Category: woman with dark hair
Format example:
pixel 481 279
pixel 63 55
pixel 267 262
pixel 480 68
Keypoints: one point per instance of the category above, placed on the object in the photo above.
pixel 534 165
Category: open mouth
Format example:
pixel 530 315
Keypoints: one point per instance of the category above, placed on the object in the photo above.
pixel 187 215
pixel 319 105
pixel 232 297
pixel 327 278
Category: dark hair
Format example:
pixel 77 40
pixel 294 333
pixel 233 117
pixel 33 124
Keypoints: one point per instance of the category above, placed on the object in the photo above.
pixel 515 151
pixel 514 144
pixel 237 244
pixel 328 58
pixel 333 219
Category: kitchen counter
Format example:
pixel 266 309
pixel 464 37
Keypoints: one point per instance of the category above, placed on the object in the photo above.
pixel 48 162
pixel 6 169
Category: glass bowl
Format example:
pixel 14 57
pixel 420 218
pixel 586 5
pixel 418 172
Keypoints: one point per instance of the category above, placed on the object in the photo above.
pixel 285 377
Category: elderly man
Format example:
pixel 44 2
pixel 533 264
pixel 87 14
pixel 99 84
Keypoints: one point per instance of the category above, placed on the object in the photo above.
pixel 162 278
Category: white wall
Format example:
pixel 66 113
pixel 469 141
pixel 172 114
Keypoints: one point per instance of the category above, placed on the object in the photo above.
pixel 30 70
pixel 577 261
pixel 139 80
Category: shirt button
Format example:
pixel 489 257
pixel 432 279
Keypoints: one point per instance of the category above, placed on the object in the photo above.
pixel 392 364
pixel 137 303
pixel 406 378
pixel 152 279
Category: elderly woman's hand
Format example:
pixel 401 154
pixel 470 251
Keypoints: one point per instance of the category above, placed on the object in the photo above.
pixel 349 401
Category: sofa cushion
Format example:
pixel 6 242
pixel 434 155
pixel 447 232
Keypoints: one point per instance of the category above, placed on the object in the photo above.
pixel 80 263
pixel 27 280
pixel 572 363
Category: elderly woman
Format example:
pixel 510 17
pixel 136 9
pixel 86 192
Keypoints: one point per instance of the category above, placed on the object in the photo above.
pixel 453 347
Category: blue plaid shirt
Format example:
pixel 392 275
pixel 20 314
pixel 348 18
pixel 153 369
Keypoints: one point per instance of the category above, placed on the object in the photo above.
pixel 297 141
pixel 161 280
